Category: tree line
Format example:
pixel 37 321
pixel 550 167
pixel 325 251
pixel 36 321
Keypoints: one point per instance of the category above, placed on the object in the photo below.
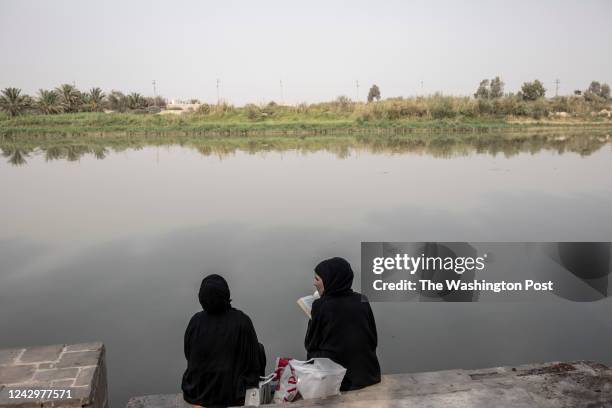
pixel 489 99
pixel 67 98
pixel 530 91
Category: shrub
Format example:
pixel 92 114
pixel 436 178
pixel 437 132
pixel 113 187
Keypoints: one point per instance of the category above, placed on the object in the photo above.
pixel 484 107
pixel 539 108
pixel 253 112
pixel 224 107
pixel 343 104
pixel 468 108
pixel 442 108
pixel 203 109
pixel 521 108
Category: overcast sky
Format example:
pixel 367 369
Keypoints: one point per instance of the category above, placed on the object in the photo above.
pixel 317 48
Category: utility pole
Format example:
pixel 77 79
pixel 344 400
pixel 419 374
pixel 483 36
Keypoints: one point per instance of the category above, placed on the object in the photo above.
pixel 154 89
pixel 282 99
pixel 218 99
pixel 357 92
pixel 557 82
pixel 422 89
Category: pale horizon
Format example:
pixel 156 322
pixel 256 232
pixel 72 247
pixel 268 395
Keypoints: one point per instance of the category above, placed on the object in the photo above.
pixel 318 50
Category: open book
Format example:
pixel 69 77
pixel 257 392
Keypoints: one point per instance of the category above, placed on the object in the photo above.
pixel 306 303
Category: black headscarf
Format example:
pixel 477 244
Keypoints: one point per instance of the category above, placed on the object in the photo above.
pixel 214 294
pixel 337 276
pixel 342 327
pixel 224 357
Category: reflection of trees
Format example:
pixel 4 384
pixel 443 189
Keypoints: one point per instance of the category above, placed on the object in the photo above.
pixel 441 145
pixel 74 153
pixel 53 153
pixel 16 156
pixel 100 152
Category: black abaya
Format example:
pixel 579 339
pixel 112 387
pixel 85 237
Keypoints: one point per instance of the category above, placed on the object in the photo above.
pixel 343 327
pixel 223 355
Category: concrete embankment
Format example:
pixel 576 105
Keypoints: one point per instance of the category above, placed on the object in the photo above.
pixel 549 385
pixel 81 368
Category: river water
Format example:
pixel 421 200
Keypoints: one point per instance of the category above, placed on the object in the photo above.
pixel 114 249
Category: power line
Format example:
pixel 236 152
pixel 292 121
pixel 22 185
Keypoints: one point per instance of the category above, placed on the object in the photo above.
pixel 557 82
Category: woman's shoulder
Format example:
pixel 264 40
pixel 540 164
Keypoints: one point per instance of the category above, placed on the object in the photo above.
pixel 229 313
pixel 239 315
pixel 197 316
pixel 329 301
pixel 347 296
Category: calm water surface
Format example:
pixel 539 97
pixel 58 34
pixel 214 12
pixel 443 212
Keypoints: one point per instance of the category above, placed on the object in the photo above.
pixel 114 249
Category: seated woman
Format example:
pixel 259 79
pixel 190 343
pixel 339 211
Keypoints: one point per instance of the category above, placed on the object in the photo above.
pixel 342 326
pixel 223 355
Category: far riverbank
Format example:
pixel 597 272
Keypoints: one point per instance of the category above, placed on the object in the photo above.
pixel 106 123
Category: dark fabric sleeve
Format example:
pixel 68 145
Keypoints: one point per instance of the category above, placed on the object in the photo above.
pixel 262 360
pixel 252 355
pixel 314 333
pixel 187 338
pixel 372 324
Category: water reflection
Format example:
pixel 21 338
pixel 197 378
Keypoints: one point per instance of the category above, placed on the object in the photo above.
pixel 18 148
pixel 15 155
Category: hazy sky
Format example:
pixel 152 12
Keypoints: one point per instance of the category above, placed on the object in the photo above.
pixel 317 48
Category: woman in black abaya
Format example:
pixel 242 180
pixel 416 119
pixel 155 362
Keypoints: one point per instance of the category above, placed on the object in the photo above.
pixel 342 326
pixel 223 355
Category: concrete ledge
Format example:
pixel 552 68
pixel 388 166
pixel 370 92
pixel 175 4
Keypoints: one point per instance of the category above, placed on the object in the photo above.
pixel 548 385
pixel 77 368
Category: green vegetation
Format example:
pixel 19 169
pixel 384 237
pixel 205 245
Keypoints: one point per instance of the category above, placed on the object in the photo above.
pixel 387 116
pixel 13 102
pixel 68 110
pixel 490 90
pixel 532 91
pixel 597 92
pixel 48 102
pixel 94 100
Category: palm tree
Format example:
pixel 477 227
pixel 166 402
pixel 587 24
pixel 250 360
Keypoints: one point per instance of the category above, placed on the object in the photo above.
pixel 48 102
pixel 136 101
pixel 70 97
pixel 95 99
pixel 13 102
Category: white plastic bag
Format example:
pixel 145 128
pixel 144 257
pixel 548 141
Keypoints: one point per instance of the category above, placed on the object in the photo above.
pixel 286 389
pixel 318 377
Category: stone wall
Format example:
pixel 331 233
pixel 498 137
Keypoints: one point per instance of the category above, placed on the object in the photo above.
pixel 78 368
